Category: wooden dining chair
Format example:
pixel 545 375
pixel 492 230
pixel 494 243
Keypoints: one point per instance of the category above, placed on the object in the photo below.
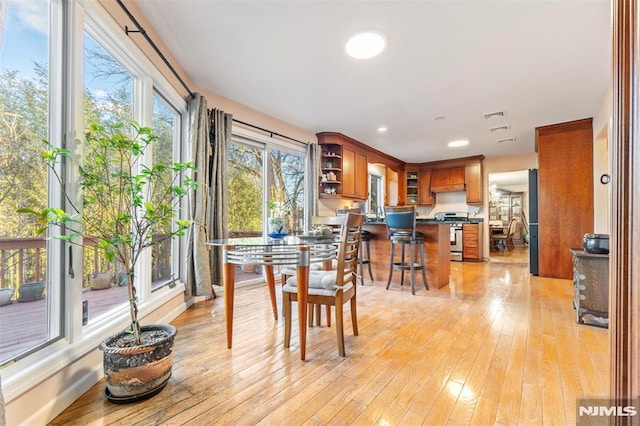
pixel 505 239
pixel 335 223
pixel 331 288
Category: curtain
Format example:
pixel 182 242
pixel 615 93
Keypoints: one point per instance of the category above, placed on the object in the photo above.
pixel 312 172
pixel 220 139
pixel 198 254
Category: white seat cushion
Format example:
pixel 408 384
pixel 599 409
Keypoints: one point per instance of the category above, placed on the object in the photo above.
pixel 317 291
pixel 288 270
pixel 319 279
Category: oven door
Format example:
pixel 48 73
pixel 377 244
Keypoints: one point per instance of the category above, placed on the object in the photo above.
pixel 456 242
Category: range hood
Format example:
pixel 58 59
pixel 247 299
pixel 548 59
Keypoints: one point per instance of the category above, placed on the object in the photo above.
pixel 449 179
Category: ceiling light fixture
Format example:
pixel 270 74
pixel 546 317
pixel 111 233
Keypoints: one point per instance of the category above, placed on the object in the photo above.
pixel 382 129
pixel 459 143
pixel 366 44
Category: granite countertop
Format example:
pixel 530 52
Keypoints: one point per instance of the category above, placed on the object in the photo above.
pixel 419 220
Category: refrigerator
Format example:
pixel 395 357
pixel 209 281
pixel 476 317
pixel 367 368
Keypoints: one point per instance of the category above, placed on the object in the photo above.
pixel 534 247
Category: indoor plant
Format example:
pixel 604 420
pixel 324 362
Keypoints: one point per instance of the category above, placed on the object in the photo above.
pixel 134 201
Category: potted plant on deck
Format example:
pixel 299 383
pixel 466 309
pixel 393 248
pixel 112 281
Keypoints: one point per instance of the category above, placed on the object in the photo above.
pixel 131 202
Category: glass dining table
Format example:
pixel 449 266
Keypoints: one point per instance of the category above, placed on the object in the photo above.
pixel 298 251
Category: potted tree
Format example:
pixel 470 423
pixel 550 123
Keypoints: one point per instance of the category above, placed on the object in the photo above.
pixel 135 202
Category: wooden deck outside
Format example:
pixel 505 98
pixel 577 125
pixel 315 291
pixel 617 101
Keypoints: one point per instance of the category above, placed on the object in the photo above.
pixel 496 346
pixel 23 324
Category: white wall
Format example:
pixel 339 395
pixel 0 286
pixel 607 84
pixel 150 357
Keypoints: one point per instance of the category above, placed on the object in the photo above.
pixel 601 165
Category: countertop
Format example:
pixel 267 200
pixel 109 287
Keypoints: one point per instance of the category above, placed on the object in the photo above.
pixel 423 220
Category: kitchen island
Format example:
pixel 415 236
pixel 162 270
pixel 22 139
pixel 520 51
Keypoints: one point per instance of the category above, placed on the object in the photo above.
pixel 436 249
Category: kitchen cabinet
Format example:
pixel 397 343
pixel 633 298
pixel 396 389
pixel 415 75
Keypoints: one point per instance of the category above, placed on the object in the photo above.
pixel 472 242
pixel 418 187
pixel 331 167
pixel 343 167
pixel 354 174
pixel 473 183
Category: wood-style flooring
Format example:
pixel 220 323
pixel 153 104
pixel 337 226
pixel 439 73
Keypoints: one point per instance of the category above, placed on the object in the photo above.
pixel 496 346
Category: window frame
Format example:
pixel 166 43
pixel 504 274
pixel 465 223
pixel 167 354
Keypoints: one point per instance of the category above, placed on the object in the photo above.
pixel 68 22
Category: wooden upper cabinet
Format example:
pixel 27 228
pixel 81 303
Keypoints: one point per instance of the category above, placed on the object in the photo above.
pixel 473 183
pixel 347 160
pixel 354 174
pixel 449 179
pixel 418 187
pixel 427 197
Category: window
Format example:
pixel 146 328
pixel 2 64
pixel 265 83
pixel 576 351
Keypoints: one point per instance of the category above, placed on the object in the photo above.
pixel 165 122
pixel 117 84
pixel 24 122
pixel 108 97
pixel 287 187
pixel 255 178
pixel 375 193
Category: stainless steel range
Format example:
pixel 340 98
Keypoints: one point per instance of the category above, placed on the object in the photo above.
pixel 456 220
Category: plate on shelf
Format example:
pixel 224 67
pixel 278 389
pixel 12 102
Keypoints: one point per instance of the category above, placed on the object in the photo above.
pixel 277 234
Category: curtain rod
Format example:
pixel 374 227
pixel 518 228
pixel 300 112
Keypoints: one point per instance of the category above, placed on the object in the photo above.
pixel 146 36
pixel 272 133
pixel 175 73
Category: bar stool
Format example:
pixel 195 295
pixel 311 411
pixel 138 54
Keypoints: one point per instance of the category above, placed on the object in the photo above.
pixel 401 228
pixel 364 257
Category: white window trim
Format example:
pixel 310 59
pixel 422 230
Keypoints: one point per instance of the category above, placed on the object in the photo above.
pixel 86 15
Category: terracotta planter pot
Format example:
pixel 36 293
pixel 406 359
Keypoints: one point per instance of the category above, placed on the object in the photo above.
pixel 134 373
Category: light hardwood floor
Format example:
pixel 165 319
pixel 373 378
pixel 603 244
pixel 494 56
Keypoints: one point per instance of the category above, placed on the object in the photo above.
pixel 496 346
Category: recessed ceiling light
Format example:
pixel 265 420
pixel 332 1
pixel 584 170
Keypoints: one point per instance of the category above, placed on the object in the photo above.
pixel 456 144
pixel 366 44
pixel 382 129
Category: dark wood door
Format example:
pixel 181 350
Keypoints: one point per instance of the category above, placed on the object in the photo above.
pixel 565 193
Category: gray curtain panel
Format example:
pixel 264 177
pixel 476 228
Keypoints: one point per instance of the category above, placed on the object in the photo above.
pixel 313 173
pixel 198 254
pixel 220 138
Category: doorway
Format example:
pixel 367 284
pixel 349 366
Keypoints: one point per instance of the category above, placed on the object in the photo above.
pixel 508 215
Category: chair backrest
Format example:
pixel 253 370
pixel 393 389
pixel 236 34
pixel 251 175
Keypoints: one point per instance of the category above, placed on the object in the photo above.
pixel 401 219
pixel 512 227
pixel 348 251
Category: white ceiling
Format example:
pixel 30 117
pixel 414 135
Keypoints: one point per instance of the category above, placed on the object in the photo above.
pixel 542 62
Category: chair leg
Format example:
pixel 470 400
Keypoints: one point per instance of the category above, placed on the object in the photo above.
pixel 424 266
pixel 402 263
pixel 369 264
pixel 286 310
pixel 317 309
pixel 411 269
pixel 354 316
pixel 340 326
pixel 391 265
pixel 328 315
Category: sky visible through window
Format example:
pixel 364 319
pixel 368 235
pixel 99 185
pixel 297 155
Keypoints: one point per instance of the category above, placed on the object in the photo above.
pixel 24 41
pixel 23 35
